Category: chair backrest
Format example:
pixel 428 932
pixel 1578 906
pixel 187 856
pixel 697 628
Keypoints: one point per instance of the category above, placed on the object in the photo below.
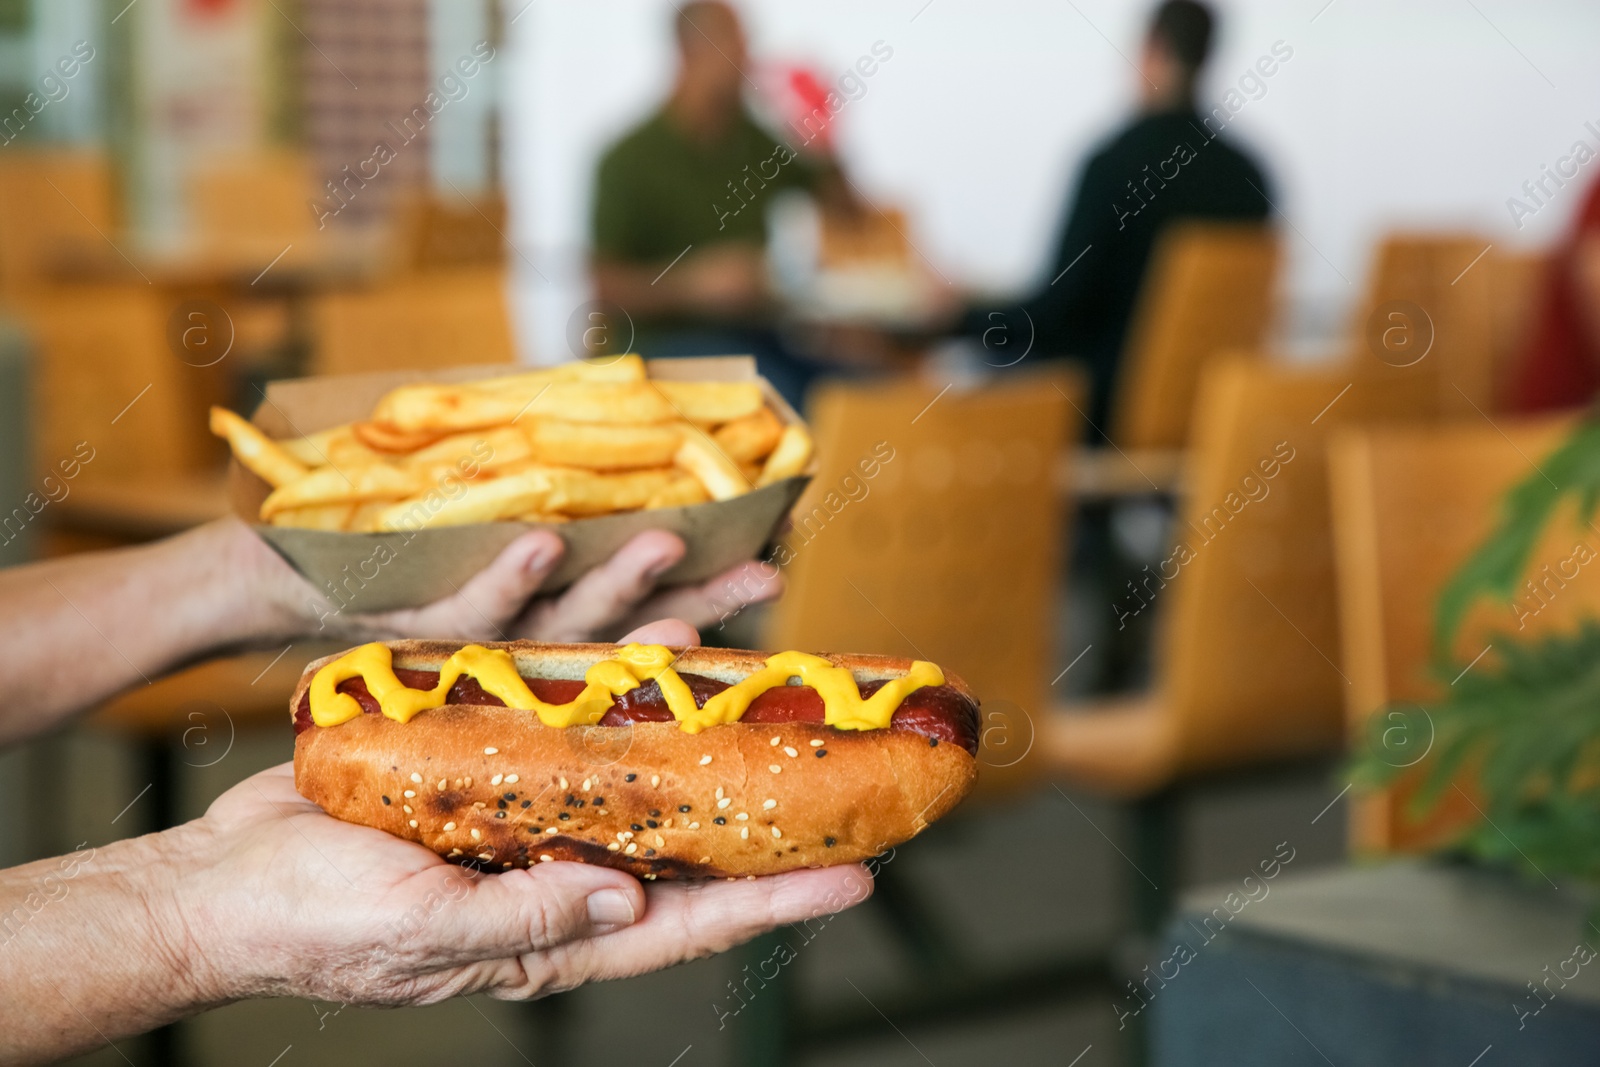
pixel 103 374
pixel 1514 283
pixel 414 321
pixel 435 232
pixel 1249 653
pixel 255 203
pixel 1443 276
pixel 55 204
pixel 934 529
pixel 1208 289
pixel 1410 504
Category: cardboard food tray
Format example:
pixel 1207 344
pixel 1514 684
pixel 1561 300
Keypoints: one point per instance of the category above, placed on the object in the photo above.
pixel 383 571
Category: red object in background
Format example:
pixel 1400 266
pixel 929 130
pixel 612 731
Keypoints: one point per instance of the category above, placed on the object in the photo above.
pixel 1560 366
pixel 203 8
pixel 802 105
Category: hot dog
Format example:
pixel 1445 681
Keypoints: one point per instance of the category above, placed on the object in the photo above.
pixel 668 763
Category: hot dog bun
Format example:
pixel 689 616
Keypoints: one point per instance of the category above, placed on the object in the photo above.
pixel 488 784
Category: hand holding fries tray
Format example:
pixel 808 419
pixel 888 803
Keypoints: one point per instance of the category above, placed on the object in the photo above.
pixel 421 560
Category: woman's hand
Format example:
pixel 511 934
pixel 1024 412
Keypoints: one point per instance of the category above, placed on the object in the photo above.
pixel 502 602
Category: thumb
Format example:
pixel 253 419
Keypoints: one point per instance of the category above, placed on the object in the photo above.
pixel 498 916
pixel 486 603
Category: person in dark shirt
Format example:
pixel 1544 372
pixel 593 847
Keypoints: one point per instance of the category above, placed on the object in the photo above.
pixel 679 224
pixel 1168 164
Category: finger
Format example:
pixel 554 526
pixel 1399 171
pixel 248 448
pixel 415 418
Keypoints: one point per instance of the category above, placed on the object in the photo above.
pixel 715 601
pixel 600 599
pixel 486 605
pixel 492 917
pixel 685 922
pixel 672 632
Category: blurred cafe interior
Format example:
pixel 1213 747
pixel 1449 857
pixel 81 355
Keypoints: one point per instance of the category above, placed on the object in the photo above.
pixel 1228 370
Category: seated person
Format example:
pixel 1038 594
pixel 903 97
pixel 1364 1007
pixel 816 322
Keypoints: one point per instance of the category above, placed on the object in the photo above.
pixel 266 895
pixel 1168 164
pixel 1560 363
pixel 680 209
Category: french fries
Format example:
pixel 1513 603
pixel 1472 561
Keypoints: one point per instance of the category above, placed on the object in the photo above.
pixel 487 500
pixel 789 458
pixel 720 476
pixel 258 453
pixel 748 439
pixel 579 492
pixel 604 448
pixel 547 446
pixel 710 403
pixel 330 485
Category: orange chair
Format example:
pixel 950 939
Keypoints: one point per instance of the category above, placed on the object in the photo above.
pixel 57 206
pixel 104 375
pixel 435 232
pixel 951 553
pixel 1248 660
pixel 1514 282
pixel 1428 315
pixel 932 529
pixel 1208 290
pixel 414 321
pixel 1409 506
pixel 250 206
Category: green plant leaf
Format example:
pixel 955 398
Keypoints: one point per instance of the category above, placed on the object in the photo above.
pixel 1494 570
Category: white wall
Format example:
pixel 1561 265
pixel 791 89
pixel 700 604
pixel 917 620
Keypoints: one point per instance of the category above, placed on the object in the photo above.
pixel 1421 113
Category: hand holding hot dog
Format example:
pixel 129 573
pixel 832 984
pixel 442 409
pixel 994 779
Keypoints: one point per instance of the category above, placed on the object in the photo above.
pixel 266 895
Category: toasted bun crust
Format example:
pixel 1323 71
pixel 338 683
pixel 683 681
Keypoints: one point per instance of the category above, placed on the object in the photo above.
pixel 621 789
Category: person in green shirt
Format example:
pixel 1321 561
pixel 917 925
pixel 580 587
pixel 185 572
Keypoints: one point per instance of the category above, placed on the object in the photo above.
pixel 679 226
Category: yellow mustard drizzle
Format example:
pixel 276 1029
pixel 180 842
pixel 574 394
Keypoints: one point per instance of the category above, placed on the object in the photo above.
pixel 493 668
pixel 844 708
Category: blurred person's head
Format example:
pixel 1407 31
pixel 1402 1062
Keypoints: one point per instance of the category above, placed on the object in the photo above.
pixel 1175 48
pixel 711 67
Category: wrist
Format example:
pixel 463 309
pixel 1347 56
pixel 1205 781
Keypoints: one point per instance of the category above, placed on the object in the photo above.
pixel 259 597
pixel 187 946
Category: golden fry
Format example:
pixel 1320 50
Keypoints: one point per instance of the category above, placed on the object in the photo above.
pixel 750 439
pixel 629 368
pixel 681 492
pixel 463 503
pixel 312 449
pixel 484 450
pixel 336 447
pixel 497 401
pixel 350 485
pixel 789 458
pixel 364 517
pixel 254 450
pixel 603 402
pixel 604 448
pixel 710 403
pixel 386 438
pixel 316 517
pixel 549 517
pixel 579 492
pixel 714 470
